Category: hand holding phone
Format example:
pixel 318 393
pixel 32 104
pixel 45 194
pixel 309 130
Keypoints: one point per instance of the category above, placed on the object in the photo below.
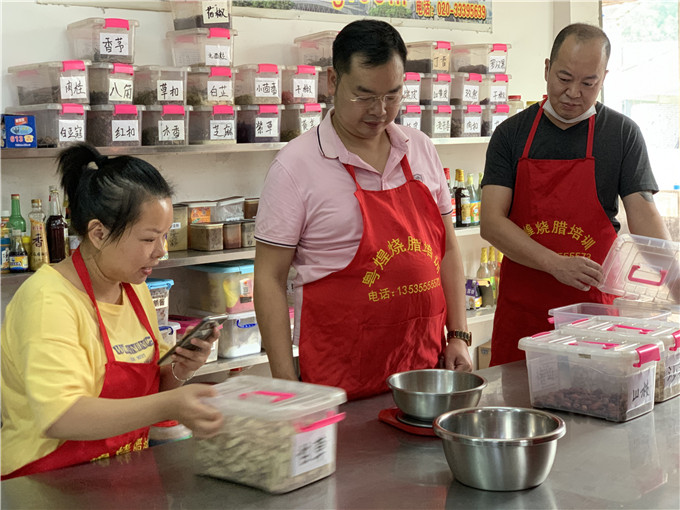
pixel 202 330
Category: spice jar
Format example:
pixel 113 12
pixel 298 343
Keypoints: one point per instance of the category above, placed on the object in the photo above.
pixel 250 207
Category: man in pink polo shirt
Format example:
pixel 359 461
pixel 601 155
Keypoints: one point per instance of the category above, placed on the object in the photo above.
pixel 360 208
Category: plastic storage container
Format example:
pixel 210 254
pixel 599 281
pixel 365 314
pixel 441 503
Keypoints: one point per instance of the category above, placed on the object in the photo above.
pixel 492 116
pixel 169 333
pixel 239 336
pixel 248 234
pixel 300 84
pixel 111 83
pixel 494 89
pixel 202 46
pixel 224 288
pixel 428 57
pixel 410 115
pixel 231 234
pixel 436 121
pixel 51 82
pixel 213 124
pixel 516 104
pixel 178 233
pixel 228 209
pixel 324 95
pixel 103 39
pixel 466 120
pixel 200 211
pixel 198 14
pixel 184 322
pixel 160 85
pixel 277 435
pixel 316 49
pixel 115 125
pixel 411 89
pixel 610 380
pixel 257 84
pixel 435 89
pixel 160 293
pixel 259 124
pixel 165 125
pixel 56 125
pixel 570 313
pixel 465 88
pixel 299 118
pixel 480 58
pixel 665 335
pixel 206 236
pixel 210 85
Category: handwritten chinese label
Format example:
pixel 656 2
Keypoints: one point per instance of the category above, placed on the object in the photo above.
pixel 71 130
pixel 497 63
pixel 672 375
pixel 125 130
pixel 217 55
pixel 307 122
pixel 442 125
pixel 120 90
pixel 220 91
pixel 496 120
pixel 266 126
pixel 471 93
pixel 73 87
pixel 304 89
pixel 215 12
pixel 113 44
pixel 266 87
pixel 472 124
pixel 411 93
pixel 440 92
pixel 170 130
pixel 499 94
pixel 545 375
pixel 170 90
pixel 312 450
pixel 413 122
pixel 641 389
pixel 222 130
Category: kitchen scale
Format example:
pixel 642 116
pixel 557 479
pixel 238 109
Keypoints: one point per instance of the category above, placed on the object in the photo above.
pixel 395 417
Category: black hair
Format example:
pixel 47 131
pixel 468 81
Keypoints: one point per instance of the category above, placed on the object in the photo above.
pixel 112 193
pixel 582 32
pixel 375 41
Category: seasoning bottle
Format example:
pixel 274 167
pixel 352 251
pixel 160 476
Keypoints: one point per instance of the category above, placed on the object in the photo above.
pixel 39 254
pixel 493 269
pixel 5 241
pixel 18 258
pixel 16 220
pixel 462 201
pixel 67 232
pixel 484 276
pixel 56 228
pixel 452 190
pixel 474 201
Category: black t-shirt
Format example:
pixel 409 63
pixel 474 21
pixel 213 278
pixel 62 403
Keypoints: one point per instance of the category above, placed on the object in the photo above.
pixel 621 163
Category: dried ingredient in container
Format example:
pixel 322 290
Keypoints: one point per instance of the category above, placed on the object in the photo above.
pixel 245 133
pixel 611 406
pixel 479 69
pixel 196 97
pixel 424 65
pixel 456 128
pixel 189 22
pixel 150 137
pixel 244 99
pixel 30 96
pixel 100 132
pixel 97 97
pixel 47 141
pixel 486 128
pixel 287 97
pixel 147 97
pixel 288 134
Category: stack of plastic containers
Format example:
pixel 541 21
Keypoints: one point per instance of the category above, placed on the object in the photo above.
pixel 257 88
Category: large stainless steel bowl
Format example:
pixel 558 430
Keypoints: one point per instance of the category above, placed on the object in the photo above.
pixel 500 448
pixel 425 394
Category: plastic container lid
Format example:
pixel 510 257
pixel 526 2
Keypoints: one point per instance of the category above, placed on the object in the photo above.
pixel 159 283
pixel 221 33
pixel 316 36
pixel 118 109
pixel 60 65
pixel 104 23
pixel 64 108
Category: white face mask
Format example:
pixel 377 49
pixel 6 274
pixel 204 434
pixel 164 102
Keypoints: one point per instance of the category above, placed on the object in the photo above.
pixel 588 113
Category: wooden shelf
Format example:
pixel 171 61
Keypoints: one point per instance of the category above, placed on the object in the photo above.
pixel 480 315
pixel 223 364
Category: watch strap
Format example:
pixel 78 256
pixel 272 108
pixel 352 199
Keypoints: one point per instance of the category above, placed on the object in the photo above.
pixel 466 336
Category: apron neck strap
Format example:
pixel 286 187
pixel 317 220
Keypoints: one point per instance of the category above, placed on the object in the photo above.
pixel 534 127
pixel 406 168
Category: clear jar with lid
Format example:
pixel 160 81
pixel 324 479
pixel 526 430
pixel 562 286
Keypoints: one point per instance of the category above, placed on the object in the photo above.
pixel 257 84
pixel 111 83
pixel 210 85
pixel 515 104
pixel 409 115
pixel 51 82
pixel 300 84
pixel 160 85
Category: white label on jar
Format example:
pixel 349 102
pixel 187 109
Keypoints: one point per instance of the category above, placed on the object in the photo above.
pixel 472 125
pixel 266 126
pixel 222 130
pixel 170 90
pixel 72 130
pixel 471 93
pixel 218 55
pixel 672 375
pixel 176 225
pixel 414 122
pixel 120 90
pixel 312 450
pixel 544 374
pixel 170 130
pixel 221 90
pixel 266 87
pixel 304 88
pixel 215 12
pixel 442 125
pixel 499 94
pixel 307 122
pixel 496 63
pixel 496 120
pixel 73 87
pixel 113 44
pixel 124 130
pixel 411 93
pixel 440 92
pixel 641 389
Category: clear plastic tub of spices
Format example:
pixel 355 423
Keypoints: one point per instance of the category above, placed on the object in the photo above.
pixel 492 116
pixel 299 118
pixel 103 39
pixel 516 104
pixel 111 83
pixel 160 85
pixel 465 88
pixel 229 209
pixel 480 58
pixel 56 125
pixel 466 120
pixel 324 94
pixel 435 89
pixel 214 124
pixel 165 125
pixel 226 287
pixel 316 49
pixel 257 84
pixel 494 89
pixel 239 336
pixel 160 293
pixel 199 14
pixel 202 46
pixel 410 115
pixel 436 121
pixel 300 84
pixel 51 82
pixel 259 124
pixel 411 89
pixel 210 85
pixel 428 57
pixel 115 125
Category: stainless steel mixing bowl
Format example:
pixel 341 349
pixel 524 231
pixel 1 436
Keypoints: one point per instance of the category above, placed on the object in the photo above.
pixel 425 394
pixel 500 448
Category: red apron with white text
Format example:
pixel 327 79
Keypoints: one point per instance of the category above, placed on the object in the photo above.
pixel 121 380
pixel 385 312
pixel 555 202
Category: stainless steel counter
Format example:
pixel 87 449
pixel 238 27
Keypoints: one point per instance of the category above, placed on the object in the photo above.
pixel 599 464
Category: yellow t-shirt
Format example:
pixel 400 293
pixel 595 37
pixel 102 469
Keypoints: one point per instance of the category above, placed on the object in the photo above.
pixel 52 355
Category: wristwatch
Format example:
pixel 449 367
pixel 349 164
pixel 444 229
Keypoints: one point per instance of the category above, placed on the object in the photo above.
pixel 465 336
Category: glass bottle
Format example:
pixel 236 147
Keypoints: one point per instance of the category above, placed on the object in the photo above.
pixel 39 254
pixel 499 259
pixel 452 190
pixel 462 201
pixel 5 241
pixel 494 272
pixel 67 232
pixel 16 220
pixel 56 228
pixel 484 277
pixel 474 201
pixel 18 258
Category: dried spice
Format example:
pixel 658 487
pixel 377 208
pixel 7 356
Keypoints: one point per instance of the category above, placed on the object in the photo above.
pixel 29 96
pixel 423 65
pixel 244 99
pixel 479 69
pixel 245 133
pixel 150 137
pixel 147 97
pixel 456 128
pixel 100 132
pixel 99 97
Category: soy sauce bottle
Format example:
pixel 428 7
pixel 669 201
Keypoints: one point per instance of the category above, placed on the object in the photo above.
pixel 56 229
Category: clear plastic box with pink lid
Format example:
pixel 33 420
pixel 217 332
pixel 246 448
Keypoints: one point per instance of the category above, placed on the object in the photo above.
pixel 200 14
pixel 56 125
pixel 111 83
pixel 324 94
pixel 435 89
pixel 410 115
pixel 160 85
pixel 465 88
pixel 300 118
pixel 494 88
pixel 213 124
pixel 466 120
pixel 436 120
pixel 411 89
pixel 210 85
pixel 51 82
pixel 300 84
pixel 316 49
pixel 480 58
pixel 492 116
pixel 258 84
pixel 166 124
pixel 103 39
pixel 428 57
pixel 115 125
pixel 202 46
pixel 259 124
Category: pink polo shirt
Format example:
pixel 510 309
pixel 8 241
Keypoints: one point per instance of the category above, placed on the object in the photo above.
pixel 308 203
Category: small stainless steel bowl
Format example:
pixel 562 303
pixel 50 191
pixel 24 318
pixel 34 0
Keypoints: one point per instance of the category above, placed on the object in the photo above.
pixel 500 448
pixel 425 394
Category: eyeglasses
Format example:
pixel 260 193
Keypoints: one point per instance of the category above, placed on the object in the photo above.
pixel 389 100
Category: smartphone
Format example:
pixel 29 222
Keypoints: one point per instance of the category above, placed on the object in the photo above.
pixel 202 330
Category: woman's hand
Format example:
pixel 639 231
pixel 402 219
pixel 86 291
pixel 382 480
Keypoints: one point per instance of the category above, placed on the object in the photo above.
pixel 203 420
pixel 187 361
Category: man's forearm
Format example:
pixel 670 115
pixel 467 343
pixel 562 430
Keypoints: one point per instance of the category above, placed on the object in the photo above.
pixel 274 324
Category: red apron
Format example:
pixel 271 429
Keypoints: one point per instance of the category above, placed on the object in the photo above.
pixel 555 202
pixel 385 312
pixel 121 380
